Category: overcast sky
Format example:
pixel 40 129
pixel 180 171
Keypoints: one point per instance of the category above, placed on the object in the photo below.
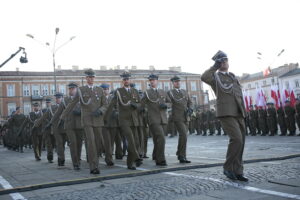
pixel 162 33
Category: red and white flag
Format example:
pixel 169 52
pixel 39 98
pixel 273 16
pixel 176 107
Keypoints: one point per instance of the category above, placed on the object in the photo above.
pixel 267 71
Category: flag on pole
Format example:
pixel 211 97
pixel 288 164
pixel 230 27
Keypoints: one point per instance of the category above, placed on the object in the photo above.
pixel 267 71
pixel 274 96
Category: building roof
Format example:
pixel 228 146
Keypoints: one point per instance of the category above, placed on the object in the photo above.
pixel 279 71
pixel 291 73
pixel 69 72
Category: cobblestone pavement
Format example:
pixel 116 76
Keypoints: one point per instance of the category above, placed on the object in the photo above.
pixel 205 183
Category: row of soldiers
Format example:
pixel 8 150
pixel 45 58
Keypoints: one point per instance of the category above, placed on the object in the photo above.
pixel 261 121
pixel 120 121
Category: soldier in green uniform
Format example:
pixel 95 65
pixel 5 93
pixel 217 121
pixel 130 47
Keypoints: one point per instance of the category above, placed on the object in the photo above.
pixel 297 109
pixel 35 132
pixel 230 111
pixel 271 119
pixel 198 122
pixel 262 121
pixel 127 102
pixel 93 106
pixel 57 127
pixel 290 118
pixel 281 121
pixel 211 116
pixel 181 110
pixel 17 120
pixel 111 130
pixel 252 121
pixel 203 122
pixel 157 101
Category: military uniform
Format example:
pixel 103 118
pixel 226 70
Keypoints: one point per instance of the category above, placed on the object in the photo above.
pixel 93 106
pixel 36 133
pixel 204 122
pixel 231 112
pixel 111 132
pixel 211 117
pixel 181 109
pixel 157 101
pixel 127 101
pixel 297 109
pixel 281 121
pixel 290 119
pixel 272 120
pixel 17 120
pixel 252 121
pixel 262 121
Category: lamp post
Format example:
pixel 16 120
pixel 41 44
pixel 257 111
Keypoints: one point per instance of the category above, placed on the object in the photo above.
pixel 53 50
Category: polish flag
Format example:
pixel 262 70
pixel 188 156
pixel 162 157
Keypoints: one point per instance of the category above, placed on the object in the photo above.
pixel 279 97
pixel 274 96
pixel 292 98
pixel 267 71
pixel 246 102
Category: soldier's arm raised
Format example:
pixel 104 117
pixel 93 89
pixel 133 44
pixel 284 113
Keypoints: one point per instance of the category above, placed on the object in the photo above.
pixel 208 76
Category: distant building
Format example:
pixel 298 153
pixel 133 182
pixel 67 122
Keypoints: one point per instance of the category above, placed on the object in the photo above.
pixel 20 88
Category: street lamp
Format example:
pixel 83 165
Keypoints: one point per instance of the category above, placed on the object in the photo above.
pixel 53 51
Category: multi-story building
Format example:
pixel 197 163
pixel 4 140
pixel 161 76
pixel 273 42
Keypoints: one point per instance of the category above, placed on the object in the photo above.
pixel 20 88
pixel 250 82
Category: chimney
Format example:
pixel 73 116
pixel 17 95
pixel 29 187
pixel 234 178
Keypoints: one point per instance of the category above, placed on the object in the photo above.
pixel 75 68
pixel 103 67
pixel 133 67
pixel 17 69
pixel 58 67
pixel 151 67
pixel 177 69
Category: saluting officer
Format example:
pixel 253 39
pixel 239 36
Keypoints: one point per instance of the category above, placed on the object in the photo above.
pixel 230 111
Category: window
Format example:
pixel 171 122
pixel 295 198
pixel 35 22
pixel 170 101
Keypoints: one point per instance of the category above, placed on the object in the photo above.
pixel 167 86
pixel 264 83
pixel 52 89
pixel 62 89
pixel 287 84
pixel 256 84
pixel 45 91
pixel 116 85
pixel 249 86
pixel 27 108
pixel 11 107
pixel 26 90
pixel 10 90
pixel 36 90
pixel 272 81
pixel 193 86
pixel 183 85
pixel 138 86
pixel 159 86
pixel 194 99
pixel 297 83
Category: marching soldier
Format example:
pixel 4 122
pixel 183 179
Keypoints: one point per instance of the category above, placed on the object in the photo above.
pixel 17 120
pixel 157 101
pixel 218 126
pixel 71 128
pixel 111 131
pixel 181 109
pixel 93 106
pixel 290 118
pixel 198 122
pixel 271 119
pixel 57 128
pixel 35 131
pixel 203 121
pixel 230 111
pixel 127 101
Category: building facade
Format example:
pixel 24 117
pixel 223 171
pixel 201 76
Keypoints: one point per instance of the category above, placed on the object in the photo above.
pixel 277 77
pixel 20 88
